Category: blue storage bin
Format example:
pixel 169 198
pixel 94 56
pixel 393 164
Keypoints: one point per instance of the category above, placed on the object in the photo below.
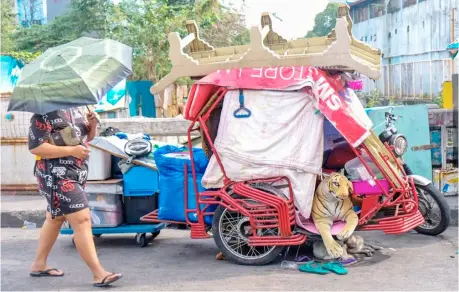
pixel 171 161
pixel 141 181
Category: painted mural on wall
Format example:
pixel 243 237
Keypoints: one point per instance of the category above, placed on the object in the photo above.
pixel 114 99
pixel 10 71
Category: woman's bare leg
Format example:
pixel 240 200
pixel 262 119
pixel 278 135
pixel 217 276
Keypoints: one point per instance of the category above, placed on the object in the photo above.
pixel 84 241
pixel 48 236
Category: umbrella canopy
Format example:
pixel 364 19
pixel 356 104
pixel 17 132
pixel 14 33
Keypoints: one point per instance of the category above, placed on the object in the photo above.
pixel 78 73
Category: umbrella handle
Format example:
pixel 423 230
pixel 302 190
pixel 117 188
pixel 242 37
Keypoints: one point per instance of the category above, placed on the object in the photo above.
pixel 98 121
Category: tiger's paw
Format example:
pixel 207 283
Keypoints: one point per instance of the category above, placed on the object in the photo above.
pixel 334 249
pixel 345 234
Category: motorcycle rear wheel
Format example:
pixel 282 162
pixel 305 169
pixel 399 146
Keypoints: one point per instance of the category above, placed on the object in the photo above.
pixel 434 209
pixel 231 230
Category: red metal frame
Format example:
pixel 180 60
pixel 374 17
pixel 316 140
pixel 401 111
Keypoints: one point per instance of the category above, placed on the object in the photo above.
pixel 270 211
pixel 404 199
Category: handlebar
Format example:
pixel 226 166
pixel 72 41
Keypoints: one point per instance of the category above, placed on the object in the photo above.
pixel 390 117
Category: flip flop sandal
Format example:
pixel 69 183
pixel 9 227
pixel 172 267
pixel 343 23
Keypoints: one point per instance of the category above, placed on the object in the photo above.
pixel 303 260
pixel 314 268
pixel 347 262
pixel 46 273
pixel 335 267
pixel 106 283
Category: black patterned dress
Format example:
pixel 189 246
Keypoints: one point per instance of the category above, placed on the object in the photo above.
pixel 60 180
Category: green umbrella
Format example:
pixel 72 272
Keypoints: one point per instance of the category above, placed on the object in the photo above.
pixel 78 73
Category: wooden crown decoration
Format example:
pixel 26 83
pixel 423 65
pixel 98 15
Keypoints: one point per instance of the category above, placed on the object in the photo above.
pixel 193 57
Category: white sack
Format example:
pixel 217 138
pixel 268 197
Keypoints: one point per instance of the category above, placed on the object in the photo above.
pixel 283 137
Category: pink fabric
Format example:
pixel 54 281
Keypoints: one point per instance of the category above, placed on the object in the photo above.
pixel 308 224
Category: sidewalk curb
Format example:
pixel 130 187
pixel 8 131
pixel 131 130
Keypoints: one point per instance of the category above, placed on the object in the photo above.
pixel 15 219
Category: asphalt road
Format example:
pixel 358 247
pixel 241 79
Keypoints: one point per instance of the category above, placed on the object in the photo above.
pixel 409 262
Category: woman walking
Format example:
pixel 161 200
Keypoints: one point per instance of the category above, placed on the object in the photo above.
pixel 59 140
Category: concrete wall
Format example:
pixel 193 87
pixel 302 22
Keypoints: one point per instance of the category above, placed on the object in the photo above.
pixel 16 160
pixel 17 165
pixel 413 36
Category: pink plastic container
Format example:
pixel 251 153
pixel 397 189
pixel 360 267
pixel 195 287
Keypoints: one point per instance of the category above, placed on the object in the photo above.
pixel 355 85
pixel 362 187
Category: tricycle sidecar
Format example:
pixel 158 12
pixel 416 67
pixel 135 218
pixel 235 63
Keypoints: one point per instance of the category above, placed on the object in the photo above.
pixel 278 99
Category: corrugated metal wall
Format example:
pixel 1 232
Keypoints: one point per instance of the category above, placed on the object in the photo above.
pixel 413 41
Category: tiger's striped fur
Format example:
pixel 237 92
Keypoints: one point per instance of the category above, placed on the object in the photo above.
pixel 332 202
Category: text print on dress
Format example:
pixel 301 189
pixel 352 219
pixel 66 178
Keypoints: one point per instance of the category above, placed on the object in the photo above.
pixel 55 211
pixel 67 186
pixel 43 193
pixel 76 206
pixel 62 197
pixel 65 161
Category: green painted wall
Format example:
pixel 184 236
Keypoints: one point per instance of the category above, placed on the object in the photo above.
pixel 414 124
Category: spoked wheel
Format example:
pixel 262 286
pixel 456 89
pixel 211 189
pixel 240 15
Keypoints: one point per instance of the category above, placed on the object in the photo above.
pixel 434 209
pixel 231 231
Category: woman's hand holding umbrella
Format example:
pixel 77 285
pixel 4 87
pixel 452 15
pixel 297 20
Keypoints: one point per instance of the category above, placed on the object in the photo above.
pixel 92 125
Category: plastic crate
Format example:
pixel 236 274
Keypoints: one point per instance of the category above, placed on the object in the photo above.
pixel 106 219
pixel 141 181
pixel 136 207
pixel 99 165
pixel 105 202
pixel 106 209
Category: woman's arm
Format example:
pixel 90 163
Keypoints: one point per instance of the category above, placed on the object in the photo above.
pixel 49 151
pixel 92 125
pixel 92 133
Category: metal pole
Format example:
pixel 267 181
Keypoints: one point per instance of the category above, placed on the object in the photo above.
pixel 414 85
pixel 430 74
pixel 422 79
pixel 452 24
pixel 400 80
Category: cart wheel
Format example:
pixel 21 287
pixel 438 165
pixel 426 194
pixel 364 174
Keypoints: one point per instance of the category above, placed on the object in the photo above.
pixel 97 235
pixel 155 234
pixel 141 240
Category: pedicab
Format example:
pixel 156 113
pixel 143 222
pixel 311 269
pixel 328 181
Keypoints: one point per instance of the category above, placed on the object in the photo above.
pixel 261 111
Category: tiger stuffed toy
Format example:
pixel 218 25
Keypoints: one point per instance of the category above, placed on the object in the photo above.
pixel 332 202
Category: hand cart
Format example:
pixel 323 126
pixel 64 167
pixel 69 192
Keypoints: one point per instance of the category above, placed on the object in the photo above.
pixel 116 187
pixel 141 231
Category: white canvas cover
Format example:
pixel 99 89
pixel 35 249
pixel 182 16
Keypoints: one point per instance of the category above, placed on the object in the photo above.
pixel 282 137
